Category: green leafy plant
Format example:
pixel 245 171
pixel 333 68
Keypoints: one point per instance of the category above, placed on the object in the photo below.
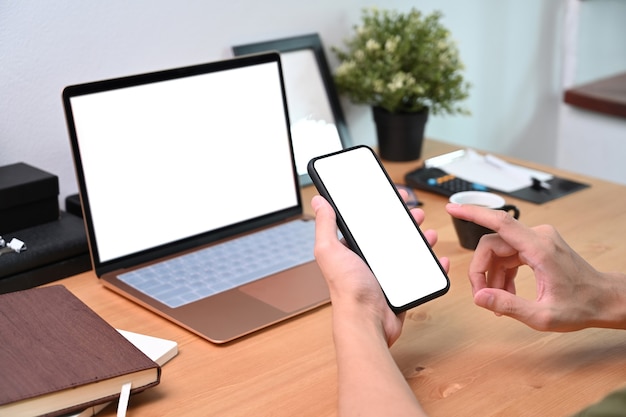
pixel 402 62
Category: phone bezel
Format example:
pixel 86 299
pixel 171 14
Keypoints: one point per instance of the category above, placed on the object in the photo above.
pixel 353 245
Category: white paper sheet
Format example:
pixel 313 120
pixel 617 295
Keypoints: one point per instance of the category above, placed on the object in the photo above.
pixel 487 170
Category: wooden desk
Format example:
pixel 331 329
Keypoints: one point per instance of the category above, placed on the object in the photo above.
pixel 459 359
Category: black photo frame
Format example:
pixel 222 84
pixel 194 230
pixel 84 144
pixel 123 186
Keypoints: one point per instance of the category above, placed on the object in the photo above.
pixel 317 122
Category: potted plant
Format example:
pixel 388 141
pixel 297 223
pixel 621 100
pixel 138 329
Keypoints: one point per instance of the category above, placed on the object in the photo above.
pixel 404 65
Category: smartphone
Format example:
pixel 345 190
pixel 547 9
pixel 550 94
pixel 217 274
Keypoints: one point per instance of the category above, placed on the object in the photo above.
pixel 378 226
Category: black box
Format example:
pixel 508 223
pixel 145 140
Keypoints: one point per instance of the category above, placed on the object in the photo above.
pixel 54 250
pixel 28 197
pixel 73 205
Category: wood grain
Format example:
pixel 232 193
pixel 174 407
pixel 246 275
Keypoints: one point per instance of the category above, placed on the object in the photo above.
pixel 459 359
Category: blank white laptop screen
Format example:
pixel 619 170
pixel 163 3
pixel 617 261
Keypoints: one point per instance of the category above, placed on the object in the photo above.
pixel 172 159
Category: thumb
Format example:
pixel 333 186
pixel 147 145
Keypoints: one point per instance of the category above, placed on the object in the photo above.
pixel 502 302
pixel 325 220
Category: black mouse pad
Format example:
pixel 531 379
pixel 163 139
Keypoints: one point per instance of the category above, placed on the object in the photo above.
pixel 559 187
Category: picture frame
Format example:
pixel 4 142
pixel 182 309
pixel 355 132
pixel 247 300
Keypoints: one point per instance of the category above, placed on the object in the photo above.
pixel 317 122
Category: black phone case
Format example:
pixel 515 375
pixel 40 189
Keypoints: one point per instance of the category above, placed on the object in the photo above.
pixel 319 184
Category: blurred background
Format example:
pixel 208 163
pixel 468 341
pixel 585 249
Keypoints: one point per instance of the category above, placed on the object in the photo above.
pixel 520 56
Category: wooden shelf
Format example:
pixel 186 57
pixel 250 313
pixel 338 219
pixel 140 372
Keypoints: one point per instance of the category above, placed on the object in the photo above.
pixel 607 96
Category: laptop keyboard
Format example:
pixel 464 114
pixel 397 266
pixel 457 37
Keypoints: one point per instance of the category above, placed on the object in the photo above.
pixel 191 277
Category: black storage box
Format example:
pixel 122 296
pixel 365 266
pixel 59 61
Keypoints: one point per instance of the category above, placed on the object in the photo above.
pixel 54 250
pixel 28 197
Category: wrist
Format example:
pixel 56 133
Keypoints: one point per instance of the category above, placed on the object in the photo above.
pixel 613 311
pixel 354 320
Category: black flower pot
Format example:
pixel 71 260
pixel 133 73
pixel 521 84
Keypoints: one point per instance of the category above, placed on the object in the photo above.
pixel 400 135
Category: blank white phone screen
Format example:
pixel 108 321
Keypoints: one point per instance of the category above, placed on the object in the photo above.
pixel 380 225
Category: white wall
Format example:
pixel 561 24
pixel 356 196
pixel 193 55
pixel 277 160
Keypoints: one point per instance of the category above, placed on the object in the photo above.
pixel 512 51
pixel 601 35
pixel 588 142
pixel 593 144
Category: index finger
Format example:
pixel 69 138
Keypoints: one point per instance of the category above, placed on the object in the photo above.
pixel 512 231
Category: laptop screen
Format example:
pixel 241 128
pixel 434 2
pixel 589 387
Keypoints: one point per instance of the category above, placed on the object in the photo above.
pixel 172 155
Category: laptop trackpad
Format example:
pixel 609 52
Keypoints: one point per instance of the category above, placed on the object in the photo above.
pixel 292 290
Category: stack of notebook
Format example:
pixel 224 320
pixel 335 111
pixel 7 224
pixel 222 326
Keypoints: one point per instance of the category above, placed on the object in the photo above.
pixel 58 356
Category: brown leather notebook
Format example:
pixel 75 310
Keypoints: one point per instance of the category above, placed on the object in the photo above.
pixel 57 355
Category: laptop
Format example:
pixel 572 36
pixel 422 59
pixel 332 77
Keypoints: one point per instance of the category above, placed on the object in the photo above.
pixel 187 177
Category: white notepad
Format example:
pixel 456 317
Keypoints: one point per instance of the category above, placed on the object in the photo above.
pixel 157 349
pixel 487 170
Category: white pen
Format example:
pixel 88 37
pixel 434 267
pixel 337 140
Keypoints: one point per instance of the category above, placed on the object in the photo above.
pixel 536 183
pixel 502 164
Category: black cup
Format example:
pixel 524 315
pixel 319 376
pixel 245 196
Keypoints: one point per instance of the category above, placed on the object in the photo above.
pixel 469 233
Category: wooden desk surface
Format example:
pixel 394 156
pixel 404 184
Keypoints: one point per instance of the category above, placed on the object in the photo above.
pixel 459 359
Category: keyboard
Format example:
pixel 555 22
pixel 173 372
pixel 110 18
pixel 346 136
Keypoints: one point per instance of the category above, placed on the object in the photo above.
pixel 193 276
